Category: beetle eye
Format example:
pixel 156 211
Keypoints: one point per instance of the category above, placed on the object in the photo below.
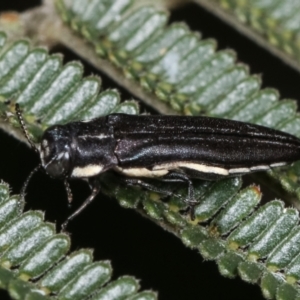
pixel 59 166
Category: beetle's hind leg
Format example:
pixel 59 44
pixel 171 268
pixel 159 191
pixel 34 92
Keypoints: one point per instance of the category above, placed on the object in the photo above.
pixel 190 201
pixel 148 186
pixel 171 177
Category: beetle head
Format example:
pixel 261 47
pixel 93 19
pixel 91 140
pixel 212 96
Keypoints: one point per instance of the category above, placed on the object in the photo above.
pixel 55 151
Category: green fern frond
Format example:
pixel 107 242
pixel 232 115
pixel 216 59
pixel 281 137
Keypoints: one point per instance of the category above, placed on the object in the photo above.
pixel 261 245
pixel 48 92
pixel 277 21
pixel 35 263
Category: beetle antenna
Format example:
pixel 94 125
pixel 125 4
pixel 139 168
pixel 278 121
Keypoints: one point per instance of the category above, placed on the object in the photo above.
pixel 68 190
pixel 25 184
pixel 24 128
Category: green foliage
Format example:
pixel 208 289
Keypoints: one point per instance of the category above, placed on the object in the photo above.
pixel 50 93
pixel 30 249
pixel 278 21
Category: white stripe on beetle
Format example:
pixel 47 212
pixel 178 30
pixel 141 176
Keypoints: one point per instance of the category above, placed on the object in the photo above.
pixel 87 171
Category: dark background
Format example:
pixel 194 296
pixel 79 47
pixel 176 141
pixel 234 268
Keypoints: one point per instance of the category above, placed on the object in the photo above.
pixel 135 245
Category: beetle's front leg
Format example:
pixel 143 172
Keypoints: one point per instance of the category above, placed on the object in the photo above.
pixel 95 187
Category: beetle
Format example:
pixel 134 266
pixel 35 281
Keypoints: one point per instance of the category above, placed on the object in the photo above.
pixel 169 148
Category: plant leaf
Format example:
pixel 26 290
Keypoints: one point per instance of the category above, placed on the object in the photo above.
pixel 48 92
pixel 31 249
pixel 255 243
pixel 277 21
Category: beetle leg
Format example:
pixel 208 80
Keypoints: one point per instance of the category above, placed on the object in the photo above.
pixel 148 186
pixel 171 177
pixel 68 190
pixel 181 177
pixel 95 190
